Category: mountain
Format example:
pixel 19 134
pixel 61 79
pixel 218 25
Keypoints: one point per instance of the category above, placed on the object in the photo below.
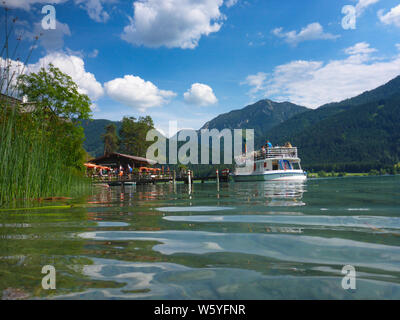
pixel 357 134
pixel 298 123
pixel 260 116
pixel 93 130
pixel 362 138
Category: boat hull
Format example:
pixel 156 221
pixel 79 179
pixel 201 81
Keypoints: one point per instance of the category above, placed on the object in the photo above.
pixel 276 176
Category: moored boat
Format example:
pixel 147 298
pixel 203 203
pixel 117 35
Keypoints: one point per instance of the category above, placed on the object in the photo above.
pixel 270 164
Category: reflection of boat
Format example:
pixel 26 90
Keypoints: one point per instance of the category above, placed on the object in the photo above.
pixel 284 193
pixel 271 164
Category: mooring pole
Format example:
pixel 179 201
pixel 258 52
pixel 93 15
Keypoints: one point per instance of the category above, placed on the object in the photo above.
pixel 217 172
pixel 174 177
pixel 190 181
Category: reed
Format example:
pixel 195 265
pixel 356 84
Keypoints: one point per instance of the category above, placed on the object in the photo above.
pixel 33 163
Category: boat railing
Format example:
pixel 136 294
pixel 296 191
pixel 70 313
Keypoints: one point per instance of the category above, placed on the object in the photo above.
pixel 276 152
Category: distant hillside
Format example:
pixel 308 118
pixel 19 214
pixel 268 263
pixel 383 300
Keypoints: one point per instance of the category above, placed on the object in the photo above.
pixel 356 134
pixel 294 126
pixel 93 131
pixel 260 116
pixel 364 137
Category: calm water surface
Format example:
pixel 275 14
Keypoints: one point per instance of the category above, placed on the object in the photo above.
pixel 243 241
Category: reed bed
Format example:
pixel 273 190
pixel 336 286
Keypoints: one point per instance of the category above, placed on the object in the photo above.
pixel 32 162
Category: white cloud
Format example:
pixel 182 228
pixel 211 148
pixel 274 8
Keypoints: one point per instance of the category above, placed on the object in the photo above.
pixel 50 39
pixel 256 81
pixel 360 48
pixel 200 95
pixel 26 4
pixel 363 4
pixel 93 54
pixel 95 9
pixel 314 83
pixel 75 67
pixel 135 92
pixel 391 17
pixel 173 23
pixel 16 68
pixel 314 31
pixel 231 3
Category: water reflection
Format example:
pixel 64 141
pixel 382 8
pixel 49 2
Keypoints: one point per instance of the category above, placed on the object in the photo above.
pixel 246 240
pixel 272 194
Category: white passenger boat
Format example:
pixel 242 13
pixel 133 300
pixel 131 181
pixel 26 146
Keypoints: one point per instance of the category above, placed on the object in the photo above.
pixel 271 164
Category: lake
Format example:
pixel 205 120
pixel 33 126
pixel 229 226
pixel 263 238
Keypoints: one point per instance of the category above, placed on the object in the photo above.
pixel 258 240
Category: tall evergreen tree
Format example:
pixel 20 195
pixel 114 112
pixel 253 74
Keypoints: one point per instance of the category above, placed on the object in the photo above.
pixel 133 135
pixel 110 139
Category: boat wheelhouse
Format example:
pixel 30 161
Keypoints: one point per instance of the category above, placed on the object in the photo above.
pixel 274 164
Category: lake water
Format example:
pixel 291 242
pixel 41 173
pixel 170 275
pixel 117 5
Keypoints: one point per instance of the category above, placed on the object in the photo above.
pixel 244 241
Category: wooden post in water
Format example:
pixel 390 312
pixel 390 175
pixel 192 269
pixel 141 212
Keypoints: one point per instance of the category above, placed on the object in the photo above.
pixel 174 177
pixel 217 172
pixel 190 181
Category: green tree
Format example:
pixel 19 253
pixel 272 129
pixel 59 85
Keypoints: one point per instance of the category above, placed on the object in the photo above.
pixel 53 91
pixel 133 135
pixel 56 104
pixel 110 139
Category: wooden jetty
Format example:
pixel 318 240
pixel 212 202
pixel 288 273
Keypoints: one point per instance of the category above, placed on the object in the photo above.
pixel 138 179
pixel 147 175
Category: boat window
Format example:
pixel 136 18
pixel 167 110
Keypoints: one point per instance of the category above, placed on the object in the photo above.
pixel 296 166
pixel 275 165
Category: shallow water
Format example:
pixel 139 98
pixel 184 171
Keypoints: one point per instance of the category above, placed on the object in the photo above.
pixel 243 241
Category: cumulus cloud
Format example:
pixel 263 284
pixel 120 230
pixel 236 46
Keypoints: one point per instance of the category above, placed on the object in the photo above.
pixel 173 23
pixel 360 48
pixel 314 83
pixel 26 4
pixel 391 17
pixel 200 95
pixel 231 3
pixel 314 31
pixel 93 54
pixel 75 67
pixel 95 9
pixel 135 92
pixel 50 39
pixel 363 4
pixel 16 68
pixel 256 81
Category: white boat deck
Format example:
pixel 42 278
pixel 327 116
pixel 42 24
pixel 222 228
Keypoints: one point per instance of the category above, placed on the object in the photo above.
pixel 276 152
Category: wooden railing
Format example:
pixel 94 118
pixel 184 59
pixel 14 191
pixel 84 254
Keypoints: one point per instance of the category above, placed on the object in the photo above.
pixel 131 177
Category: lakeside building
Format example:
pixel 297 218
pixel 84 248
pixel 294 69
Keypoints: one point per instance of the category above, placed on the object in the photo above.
pixel 115 160
pixel 22 105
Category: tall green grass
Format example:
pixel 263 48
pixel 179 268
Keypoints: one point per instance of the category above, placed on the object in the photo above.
pixel 32 162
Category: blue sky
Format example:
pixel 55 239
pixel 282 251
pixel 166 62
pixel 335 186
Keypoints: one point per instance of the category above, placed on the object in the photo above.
pixel 190 61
